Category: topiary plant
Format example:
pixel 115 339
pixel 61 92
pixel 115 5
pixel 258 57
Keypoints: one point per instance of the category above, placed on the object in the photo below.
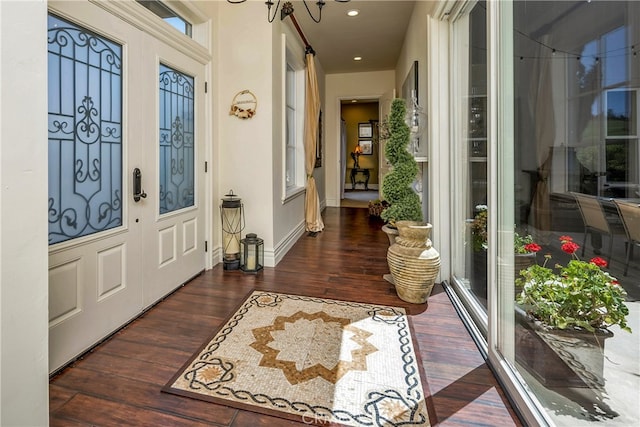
pixel 404 203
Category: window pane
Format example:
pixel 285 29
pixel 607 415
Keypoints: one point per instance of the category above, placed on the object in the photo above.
pixel 615 58
pixel 475 144
pixel 621 113
pixel 176 117
pixel 291 130
pixel 85 131
pixel 291 87
pixel 291 148
pixel 168 15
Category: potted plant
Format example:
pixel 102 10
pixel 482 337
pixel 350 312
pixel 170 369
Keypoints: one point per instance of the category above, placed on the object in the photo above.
pixel 479 228
pixel 525 250
pixel 376 207
pixel 565 313
pixel 404 203
pixel 413 262
pixel 479 253
pixel 578 295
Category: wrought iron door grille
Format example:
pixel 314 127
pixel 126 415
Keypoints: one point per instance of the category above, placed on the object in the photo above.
pixel 85 131
pixel 176 140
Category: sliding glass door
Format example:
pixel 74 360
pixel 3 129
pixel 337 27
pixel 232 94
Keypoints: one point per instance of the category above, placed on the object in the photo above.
pixel 547 153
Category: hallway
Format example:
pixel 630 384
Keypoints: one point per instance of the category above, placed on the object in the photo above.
pixel 119 382
pixel 358 198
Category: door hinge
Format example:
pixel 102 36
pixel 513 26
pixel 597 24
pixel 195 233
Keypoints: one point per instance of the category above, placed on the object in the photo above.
pixel 206 246
pixel 205 87
pixel 206 164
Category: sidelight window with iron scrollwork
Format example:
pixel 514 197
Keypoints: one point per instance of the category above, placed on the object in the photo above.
pixel 176 154
pixel 85 131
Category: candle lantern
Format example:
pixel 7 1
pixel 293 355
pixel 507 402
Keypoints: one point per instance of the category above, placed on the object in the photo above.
pixel 232 217
pixel 251 253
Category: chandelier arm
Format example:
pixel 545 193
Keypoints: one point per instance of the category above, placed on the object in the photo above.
pixel 287 8
pixel 320 4
pixel 271 17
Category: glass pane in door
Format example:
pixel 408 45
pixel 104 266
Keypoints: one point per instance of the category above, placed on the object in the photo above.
pixel 475 186
pixel 575 162
pixel 176 117
pixel 85 131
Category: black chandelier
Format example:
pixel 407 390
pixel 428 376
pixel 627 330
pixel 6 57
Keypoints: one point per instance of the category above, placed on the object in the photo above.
pixel 287 8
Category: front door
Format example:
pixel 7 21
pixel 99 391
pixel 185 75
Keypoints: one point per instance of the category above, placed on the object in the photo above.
pixel 125 192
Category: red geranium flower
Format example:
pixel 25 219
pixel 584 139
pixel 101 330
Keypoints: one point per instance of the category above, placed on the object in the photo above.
pixel 570 247
pixel 532 247
pixel 566 239
pixel 599 262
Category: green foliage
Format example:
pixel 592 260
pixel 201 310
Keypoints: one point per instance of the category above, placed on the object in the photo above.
pixel 396 185
pixel 524 244
pixel 479 229
pixel 578 295
pixel 520 241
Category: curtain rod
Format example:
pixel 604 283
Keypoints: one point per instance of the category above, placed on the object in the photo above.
pixel 307 46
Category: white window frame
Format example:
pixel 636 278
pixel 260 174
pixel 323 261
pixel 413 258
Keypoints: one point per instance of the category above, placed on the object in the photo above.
pixel 293 172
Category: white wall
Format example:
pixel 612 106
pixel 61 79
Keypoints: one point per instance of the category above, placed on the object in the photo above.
pixel 415 49
pixel 248 154
pixel 346 86
pixel 243 148
pixel 427 41
pixel 288 216
pixel 23 215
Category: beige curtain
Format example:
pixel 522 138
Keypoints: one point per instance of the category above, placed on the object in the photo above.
pixel 544 122
pixel 312 216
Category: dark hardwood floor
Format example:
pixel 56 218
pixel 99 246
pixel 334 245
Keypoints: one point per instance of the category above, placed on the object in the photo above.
pixel 118 383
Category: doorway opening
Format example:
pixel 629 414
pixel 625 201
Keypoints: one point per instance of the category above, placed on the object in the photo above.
pixel 360 179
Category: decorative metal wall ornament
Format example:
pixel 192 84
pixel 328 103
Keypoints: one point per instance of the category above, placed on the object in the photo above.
pixel 287 8
pixel 85 131
pixel 239 105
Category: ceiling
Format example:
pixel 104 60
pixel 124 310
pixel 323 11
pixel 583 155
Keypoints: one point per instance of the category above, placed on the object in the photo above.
pixel 376 34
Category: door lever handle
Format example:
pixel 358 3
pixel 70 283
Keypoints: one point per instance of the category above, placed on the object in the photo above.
pixel 138 192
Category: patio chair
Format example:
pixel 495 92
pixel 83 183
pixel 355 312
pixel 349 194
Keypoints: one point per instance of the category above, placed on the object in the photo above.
pixel 594 220
pixel 630 215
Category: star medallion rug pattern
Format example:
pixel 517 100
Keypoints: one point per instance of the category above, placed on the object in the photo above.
pixel 311 359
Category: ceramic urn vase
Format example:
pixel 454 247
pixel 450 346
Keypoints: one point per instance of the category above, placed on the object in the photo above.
pixel 414 263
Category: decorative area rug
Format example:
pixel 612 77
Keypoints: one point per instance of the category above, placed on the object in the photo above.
pixel 311 359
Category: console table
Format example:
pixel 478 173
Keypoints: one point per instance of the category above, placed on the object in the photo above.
pixel 365 175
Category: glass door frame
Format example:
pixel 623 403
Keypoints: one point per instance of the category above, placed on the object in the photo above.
pixel 501 348
pixel 491 329
pixel 477 317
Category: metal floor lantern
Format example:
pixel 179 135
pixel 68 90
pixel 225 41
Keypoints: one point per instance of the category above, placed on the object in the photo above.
pixel 251 253
pixel 232 217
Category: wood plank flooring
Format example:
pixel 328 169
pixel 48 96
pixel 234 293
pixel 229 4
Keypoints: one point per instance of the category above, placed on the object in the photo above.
pixel 118 383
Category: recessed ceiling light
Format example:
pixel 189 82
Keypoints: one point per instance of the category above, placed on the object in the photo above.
pixel 353 12
pixel 357 58
pixel 354 100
